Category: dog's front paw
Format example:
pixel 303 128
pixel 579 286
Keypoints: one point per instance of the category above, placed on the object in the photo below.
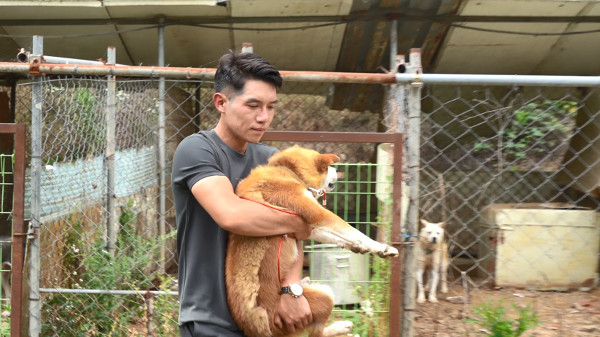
pixel 444 289
pixel 388 251
pixel 421 299
pixel 433 299
pixel 338 328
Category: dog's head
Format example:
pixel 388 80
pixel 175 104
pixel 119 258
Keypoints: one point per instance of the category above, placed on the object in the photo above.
pixel 431 232
pixel 311 166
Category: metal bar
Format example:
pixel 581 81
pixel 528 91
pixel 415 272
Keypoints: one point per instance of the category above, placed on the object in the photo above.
pixel 18 226
pixel 522 80
pixel 395 314
pixel 35 309
pixel 317 136
pixel 106 291
pixel 363 16
pixel 162 144
pixel 393 46
pixel 310 76
pixel 111 148
pixel 413 174
pixel 66 60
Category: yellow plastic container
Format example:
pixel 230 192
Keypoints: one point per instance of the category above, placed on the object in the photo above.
pixel 548 246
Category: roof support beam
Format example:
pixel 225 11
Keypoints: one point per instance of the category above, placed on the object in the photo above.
pixel 356 17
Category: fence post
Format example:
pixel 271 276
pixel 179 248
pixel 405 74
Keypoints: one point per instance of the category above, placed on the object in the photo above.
pixel 395 101
pixel 161 150
pixel 111 125
pixel 413 177
pixel 35 310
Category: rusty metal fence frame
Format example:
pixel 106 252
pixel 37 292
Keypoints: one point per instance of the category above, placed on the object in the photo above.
pixel 395 282
pixel 18 225
pixel 404 92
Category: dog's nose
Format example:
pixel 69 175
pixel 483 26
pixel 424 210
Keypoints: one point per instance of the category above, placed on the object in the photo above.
pixel 433 240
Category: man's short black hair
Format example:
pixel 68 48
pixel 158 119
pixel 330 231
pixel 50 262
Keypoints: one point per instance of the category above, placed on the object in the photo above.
pixel 237 68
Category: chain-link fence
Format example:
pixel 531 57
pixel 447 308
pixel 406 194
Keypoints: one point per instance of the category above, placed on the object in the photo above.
pixel 486 151
pixel 511 169
pixel 86 287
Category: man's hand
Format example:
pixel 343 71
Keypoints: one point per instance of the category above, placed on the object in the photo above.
pixel 293 312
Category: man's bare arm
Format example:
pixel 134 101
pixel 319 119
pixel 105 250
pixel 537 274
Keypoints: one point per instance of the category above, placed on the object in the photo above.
pixel 244 217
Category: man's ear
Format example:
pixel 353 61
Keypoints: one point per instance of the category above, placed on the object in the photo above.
pixel 220 100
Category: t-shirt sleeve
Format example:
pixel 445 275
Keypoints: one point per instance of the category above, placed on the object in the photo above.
pixel 193 161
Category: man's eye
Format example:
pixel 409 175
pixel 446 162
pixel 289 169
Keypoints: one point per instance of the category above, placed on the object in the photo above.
pixel 253 106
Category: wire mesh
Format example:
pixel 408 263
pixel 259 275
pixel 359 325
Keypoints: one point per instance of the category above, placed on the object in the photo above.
pixel 485 151
pixel 513 173
pixel 87 290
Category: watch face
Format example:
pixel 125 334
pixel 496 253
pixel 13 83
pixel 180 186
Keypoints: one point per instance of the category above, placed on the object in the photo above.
pixel 296 289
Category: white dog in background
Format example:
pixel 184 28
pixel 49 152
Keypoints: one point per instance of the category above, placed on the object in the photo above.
pixel 431 250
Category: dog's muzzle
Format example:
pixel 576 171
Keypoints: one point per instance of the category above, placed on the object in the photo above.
pixel 331 179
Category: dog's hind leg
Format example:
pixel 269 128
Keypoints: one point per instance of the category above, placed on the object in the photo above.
pixel 444 272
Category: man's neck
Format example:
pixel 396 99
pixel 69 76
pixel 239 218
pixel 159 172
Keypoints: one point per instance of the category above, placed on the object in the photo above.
pixel 230 140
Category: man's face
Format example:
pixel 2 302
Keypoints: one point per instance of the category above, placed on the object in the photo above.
pixel 246 116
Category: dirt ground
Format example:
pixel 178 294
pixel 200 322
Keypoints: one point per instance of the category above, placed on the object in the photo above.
pixel 561 314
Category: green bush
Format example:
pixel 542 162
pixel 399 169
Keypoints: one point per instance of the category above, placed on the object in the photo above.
pixel 493 319
pixel 166 310
pixel 534 129
pixel 74 315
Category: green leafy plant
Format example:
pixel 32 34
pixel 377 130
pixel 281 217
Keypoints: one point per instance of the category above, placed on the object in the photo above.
pixel 92 267
pixel 166 309
pixel 5 321
pixel 533 129
pixel 493 319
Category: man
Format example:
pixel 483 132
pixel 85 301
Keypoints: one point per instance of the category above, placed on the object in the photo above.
pixel 206 169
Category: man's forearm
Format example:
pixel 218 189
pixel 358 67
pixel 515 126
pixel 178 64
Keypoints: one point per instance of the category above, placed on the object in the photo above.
pixel 295 272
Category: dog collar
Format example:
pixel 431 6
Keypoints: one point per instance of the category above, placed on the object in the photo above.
pixel 428 251
pixel 319 193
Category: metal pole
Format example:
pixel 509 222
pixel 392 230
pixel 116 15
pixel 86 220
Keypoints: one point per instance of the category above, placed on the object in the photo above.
pixel 35 310
pixel 413 175
pixel 393 108
pixel 161 149
pixel 394 46
pixel 310 76
pixel 18 256
pixel 111 146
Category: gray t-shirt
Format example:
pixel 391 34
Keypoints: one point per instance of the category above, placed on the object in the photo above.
pixel 201 243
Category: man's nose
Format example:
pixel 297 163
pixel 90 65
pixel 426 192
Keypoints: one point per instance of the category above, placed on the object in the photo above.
pixel 263 115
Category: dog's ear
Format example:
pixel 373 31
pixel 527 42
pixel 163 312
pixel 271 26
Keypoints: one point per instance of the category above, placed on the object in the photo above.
pixel 442 224
pixel 322 161
pixel 424 222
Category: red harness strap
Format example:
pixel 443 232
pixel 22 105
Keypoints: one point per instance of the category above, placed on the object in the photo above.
pixel 283 237
pixel 272 207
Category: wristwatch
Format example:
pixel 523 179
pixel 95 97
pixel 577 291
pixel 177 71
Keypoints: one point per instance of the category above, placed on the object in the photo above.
pixel 294 289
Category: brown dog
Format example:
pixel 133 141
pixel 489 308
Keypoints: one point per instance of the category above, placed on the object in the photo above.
pixel 254 265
